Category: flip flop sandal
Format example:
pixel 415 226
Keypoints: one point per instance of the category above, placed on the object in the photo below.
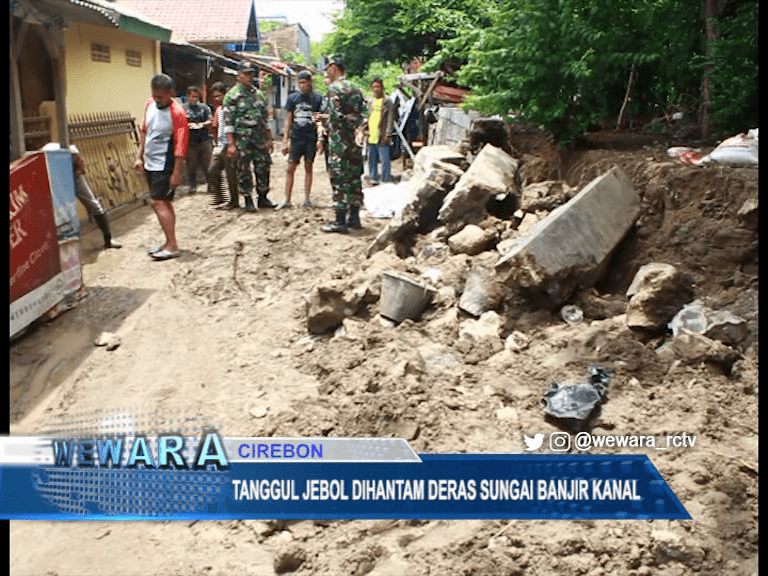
pixel 166 255
pixel 155 250
pixel 307 204
pixel 283 206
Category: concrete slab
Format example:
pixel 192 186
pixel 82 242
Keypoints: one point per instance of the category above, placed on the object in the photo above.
pixel 492 173
pixel 569 247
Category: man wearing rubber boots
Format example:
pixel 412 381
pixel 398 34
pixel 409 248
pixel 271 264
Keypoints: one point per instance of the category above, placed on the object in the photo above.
pixel 344 106
pixel 249 138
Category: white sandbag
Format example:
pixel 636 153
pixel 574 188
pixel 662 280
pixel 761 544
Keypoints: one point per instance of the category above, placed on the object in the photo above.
pixel 736 150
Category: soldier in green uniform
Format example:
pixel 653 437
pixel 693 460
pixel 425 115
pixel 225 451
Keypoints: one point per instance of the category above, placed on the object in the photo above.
pixel 249 138
pixel 344 106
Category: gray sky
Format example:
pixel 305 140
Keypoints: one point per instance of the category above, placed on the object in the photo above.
pixel 313 15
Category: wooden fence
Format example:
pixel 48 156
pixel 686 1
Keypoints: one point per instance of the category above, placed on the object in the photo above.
pixel 108 142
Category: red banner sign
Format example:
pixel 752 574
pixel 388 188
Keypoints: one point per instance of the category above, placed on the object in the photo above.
pixel 34 247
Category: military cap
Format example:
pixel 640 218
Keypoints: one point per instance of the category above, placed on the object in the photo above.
pixel 245 67
pixel 304 75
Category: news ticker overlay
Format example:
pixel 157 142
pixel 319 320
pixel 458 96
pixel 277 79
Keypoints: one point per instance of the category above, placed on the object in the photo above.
pixel 206 476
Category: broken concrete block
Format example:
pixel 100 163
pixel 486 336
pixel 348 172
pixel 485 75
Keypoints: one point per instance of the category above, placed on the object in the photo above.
pixel 328 305
pixel 546 195
pixel 492 173
pixel 471 240
pixel 475 299
pixel 430 155
pixel 428 189
pixel 527 224
pixel 726 327
pixel 571 246
pixel 691 348
pixel 482 291
pixel 656 294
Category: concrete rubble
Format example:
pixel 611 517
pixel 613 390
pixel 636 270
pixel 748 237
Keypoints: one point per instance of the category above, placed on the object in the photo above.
pixel 481 290
pixel 546 195
pixel 571 246
pixel 692 348
pixel 657 292
pixel 494 278
pixel 471 240
pixel 436 170
pixel 491 174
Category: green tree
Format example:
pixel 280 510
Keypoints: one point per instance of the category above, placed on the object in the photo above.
pixel 387 71
pixel 733 70
pixel 397 30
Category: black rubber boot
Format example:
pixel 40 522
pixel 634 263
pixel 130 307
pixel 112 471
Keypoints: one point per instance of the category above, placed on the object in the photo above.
pixel 103 224
pixel 249 207
pixel 354 218
pixel 339 225
pixel 264 202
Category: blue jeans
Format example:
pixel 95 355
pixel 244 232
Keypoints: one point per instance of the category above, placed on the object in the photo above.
pixel 376 151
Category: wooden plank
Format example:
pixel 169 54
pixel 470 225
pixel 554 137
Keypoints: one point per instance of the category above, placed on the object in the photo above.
pixel 430 89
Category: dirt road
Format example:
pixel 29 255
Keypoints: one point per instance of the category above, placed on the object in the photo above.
pixel 221 333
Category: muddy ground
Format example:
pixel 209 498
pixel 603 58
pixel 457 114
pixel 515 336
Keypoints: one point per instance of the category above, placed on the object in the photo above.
pixel 222 331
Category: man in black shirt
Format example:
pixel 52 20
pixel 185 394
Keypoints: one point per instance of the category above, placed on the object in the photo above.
pixel 301 130
pixel 200 146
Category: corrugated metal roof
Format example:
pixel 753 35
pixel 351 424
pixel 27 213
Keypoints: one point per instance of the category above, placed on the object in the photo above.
pixel 98 12
pixel 198 20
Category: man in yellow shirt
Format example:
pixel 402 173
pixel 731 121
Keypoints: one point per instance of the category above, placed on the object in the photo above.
pixel 381 122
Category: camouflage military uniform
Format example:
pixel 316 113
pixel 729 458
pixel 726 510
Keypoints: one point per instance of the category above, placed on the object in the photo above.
pixel 246 118
pixel 345 106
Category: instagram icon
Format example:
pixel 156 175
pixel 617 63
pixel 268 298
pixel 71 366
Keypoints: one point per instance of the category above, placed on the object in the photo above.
pixel 559 441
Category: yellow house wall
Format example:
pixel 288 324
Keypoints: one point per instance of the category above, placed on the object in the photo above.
pixel 108 86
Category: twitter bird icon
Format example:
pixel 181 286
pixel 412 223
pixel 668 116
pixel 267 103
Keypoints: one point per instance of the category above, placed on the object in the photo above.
pixel 534 443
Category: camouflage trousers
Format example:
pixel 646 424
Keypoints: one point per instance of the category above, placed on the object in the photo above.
pixel 261 162
pixel 346 182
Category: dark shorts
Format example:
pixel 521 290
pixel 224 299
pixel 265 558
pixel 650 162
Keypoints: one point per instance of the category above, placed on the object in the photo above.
pixel 159 185
pixel 302 147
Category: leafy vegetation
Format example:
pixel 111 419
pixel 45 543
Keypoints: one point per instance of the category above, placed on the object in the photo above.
pixel 387 71
pixel 566 64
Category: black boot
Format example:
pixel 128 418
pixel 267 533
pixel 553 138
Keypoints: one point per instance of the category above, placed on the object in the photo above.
pixel 103 224
pixel 264 202
pixel 354 218
pixel 234 201
pixel 340 225
pixel 249 207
